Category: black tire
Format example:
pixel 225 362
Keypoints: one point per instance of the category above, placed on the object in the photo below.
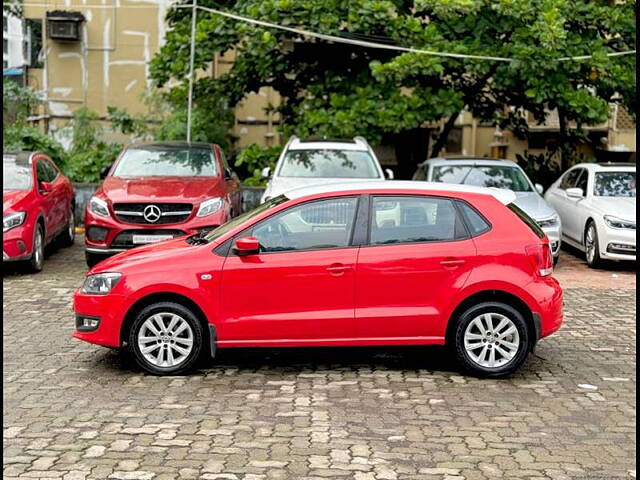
pixel 556 259
pixel 36 262
pixel 465 359
pixel 93 259
pixel 166 309
pixel 68 235
pixel 593 257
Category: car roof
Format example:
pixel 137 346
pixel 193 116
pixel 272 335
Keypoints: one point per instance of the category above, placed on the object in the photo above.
pixel 608 166
pixel 469 161
pixel 323 143
pixel 399 186
pixel 169 145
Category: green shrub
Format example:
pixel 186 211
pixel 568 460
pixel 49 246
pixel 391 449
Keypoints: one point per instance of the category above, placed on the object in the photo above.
pixel 254 158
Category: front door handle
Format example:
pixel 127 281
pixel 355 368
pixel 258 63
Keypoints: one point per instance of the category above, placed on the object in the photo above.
pixel 452 262
pixel 338 269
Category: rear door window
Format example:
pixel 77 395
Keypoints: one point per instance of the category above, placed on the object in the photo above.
pixel 410 219
pixel 570 178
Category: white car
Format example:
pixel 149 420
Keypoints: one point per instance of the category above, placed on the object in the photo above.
pixel 597 205
pixel 322 161
pixel 485 172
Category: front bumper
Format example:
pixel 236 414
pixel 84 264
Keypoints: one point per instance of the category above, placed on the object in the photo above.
pixel 554 234
pixel 617 243
pixel 109 309
pixel 107 235
pixel 17 244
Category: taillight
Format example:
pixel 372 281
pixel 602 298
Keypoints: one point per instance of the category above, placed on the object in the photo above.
pixel 540 256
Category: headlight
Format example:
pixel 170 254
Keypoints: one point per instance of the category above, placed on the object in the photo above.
pixel 100 283
pixel 12 220
pixel 98 206
pixel 209 206
pixel 551 221
pixel 615 222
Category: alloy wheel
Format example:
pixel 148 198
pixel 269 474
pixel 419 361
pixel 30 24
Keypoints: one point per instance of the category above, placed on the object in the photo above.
pixel 165 340
pixel 38 250
pixel 72 224
pixel 491 340
pixel 590 243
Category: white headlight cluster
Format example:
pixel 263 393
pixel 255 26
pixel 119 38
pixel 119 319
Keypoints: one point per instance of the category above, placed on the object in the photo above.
pixel 209 207
pixel 551 221
pixel 100 283
pixel 615 222
pixel 99 207
pixel 12 220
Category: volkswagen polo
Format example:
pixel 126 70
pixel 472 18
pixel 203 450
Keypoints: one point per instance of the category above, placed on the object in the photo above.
pixel 383 263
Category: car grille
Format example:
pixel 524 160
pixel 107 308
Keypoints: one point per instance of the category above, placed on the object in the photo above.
pixel 335 213
pixel 125 238
pixel 169 212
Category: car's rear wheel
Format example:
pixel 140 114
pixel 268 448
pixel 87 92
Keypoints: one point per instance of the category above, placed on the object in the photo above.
pixel 166 338
pixel 36 261
pixel 592 246
pixel 69 234
pixel 491 339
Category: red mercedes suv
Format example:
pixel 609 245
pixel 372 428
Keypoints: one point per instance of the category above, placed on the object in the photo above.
pixel 157 191
pixel 381 263
pixel 37 206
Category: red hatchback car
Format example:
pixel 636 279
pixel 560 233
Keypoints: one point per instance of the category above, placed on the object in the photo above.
pixel 37 207
pixel 157 191
pixel 382 263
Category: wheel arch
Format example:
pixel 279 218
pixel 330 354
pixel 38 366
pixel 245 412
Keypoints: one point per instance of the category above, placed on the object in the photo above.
pixel 156 297
pixel 493 295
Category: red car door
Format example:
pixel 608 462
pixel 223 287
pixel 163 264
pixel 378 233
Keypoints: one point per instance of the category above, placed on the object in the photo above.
pixel 48 199
pixel 300 288
pixel 417 256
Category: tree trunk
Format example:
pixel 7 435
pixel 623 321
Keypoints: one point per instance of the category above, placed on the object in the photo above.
pixel 444 134
pixel 564 154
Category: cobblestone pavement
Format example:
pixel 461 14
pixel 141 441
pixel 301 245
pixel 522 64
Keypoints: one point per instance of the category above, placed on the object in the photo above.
pixel 75 411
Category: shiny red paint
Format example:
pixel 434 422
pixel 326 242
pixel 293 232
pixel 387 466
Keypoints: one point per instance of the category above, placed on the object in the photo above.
pixel 49 203
pixel 358 295
pixel 165 189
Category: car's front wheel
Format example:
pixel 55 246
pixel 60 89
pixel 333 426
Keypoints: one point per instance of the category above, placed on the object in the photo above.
pixel 491 339
pixel 592 246
pixel 36 261
pixel 166 338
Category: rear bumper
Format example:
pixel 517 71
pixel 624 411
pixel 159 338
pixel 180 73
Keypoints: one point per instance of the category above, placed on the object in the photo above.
pixel 548 313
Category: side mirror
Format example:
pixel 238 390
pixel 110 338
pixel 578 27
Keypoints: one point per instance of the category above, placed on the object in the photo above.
pixel 105 171
pixel 575 193
pixel 539 188
pixel 228 174
pixel 266 172
pixel 246 246
pixel 389 173
pixel 45 187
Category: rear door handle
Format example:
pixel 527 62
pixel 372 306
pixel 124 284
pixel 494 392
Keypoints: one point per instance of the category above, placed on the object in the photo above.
pixel 338 269
pixel 453 262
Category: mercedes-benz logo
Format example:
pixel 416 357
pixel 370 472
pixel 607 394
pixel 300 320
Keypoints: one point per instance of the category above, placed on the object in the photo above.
pixel 151 213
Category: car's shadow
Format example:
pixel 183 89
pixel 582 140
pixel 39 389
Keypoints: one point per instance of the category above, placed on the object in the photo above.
pixel 299 360
pixel 609 265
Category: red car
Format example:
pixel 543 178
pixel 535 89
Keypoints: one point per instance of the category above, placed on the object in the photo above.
pixel 382 263
pixel 158 191
pixel 37 207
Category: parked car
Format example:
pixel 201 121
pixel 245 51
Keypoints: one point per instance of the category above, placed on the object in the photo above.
pixel 385 263
pixel 597 204
pixel 37 207
pixel 485 172
pixel 322 160
pixel 157 191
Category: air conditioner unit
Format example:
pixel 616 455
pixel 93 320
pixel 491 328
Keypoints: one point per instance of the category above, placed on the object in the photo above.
pixel 64 25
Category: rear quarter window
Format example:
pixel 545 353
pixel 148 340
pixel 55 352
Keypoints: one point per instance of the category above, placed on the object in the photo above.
pixel 526 219
pixel 476 224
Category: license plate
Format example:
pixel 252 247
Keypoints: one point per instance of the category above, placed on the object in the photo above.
pixel 142 239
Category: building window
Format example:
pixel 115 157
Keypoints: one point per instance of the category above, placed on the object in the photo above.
pixel 33 45
pixel 5 25
pixel 5 45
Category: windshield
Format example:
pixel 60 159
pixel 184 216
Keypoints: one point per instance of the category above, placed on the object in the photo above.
pixel 240 219
pixel 499 176
pixel 167 162
pixel 328 164
pixel 15 176
pixel 615 184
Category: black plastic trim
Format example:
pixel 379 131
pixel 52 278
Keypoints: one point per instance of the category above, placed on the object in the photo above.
pixel 213 338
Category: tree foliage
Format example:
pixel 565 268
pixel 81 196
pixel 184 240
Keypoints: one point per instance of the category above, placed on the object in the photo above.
pixel 342 90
